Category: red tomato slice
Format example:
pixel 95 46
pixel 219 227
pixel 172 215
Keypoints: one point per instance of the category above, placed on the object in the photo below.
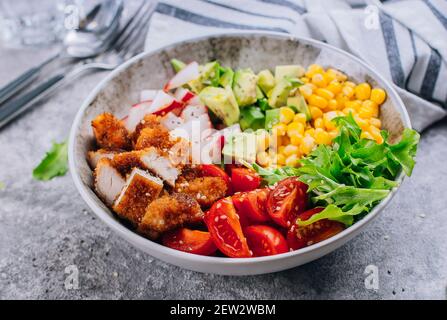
pixel 300 237
pixel 286 201
pixel 225 229
pixel 192 241
pixel 252 205
pixel 210 170
pixel 265 240
pixel 244 179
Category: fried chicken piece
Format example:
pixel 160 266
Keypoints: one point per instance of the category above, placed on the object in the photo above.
pixel 110 133
pixel 108 181
pixel 154 137
pixel 141 189
pixel 124 162
pixel 206 190
pixel 168 213
pixel 93 157
pixel 160 164
pixel 149 121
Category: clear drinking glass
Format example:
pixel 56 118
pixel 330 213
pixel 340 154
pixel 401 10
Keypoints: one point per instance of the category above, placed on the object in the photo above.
pixel 31 22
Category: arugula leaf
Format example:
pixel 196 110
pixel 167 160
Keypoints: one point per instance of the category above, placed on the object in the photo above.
pixel 404 151
pixel 272 176
pixel 54 164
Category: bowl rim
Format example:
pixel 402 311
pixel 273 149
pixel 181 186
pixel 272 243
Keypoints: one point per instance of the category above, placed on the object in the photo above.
pixel 141 242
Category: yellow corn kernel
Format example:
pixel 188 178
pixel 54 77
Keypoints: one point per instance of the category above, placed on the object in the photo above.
pixel 325 93
pixel 279 129
pixel 340 76
pixel 290 149
pixel 280 159
pixel 321 136
pixel 375 122
pixel 332 134
pixel 347 111
pixel 304 79
pixel 262 141
pixel 335 87
pixel 329 76
pixel 306 90
pixel 315 112
pixel 348 92
pixel 318 101
pixel 378 95
pixel 318 80
pixel 349 84
pixel 353 104
pixel 319 123
pixel 308 145
pixel 327 118
pixel 332 105
pixel 263 159
pixel 369 109
pixel 300 117
pixel 314 69
pixel 309 133
pixel 363 91
pixel 296 140
pixel 295 128
pixel 375 133
pixel 292 161
pixel 341 100
pixel 286 115
pixel 366 135
pixel 364 124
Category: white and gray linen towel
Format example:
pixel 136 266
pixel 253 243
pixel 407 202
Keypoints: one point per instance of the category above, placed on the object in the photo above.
pixel 405 40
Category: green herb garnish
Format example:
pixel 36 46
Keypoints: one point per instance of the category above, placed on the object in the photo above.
pixel 54 164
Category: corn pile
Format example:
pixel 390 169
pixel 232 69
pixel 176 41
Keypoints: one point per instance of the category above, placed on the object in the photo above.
pixel 329 94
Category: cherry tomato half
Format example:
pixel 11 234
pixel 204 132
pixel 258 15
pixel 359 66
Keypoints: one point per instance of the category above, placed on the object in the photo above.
pixel 265 240
pixel 286 201
pixel 252 205
pixel 300 237
pixel 210 170
pixel 225 229
pixel 192 241
pixel 244 179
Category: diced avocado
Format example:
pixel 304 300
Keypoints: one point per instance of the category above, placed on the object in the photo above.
pixel 263 104
pixel 226 79
pixel 241 146
pixel 209 76
pixel 244 87
pixel 280 93
pixel 271 118
pixel 299 103
pixel 222 102
pixel 252 117
pixel 266 81
pixel 290 71
pixel 177 65
pixel 259 93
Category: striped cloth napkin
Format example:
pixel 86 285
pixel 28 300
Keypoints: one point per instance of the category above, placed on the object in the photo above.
pixel 405 40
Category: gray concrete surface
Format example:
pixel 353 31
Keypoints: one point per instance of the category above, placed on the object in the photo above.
pixel 46 227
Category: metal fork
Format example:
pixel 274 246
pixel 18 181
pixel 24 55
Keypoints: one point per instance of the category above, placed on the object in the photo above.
pixel 126 44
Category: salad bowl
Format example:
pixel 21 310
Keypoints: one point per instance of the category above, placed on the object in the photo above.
pixel 257 50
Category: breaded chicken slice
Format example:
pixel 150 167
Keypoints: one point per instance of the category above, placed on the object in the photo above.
pixel 108 181
pixel 159 163
pixel 149 121
pixel 124 162
pixel 141 189
pixel 168 213
pixel 93 157
pixel 206 190
pixel 154 137
pixel 110 133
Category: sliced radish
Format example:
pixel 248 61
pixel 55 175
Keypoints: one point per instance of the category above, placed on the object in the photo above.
pixel 175 107
pixel 136 114
pixel 184 95
pixel 193 112
pixel 195 101
pixel 170 121
pixel 161 100
pixel 189 73
pixel 148 95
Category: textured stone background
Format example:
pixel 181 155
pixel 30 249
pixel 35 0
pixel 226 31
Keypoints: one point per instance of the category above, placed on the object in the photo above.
pixel 46 226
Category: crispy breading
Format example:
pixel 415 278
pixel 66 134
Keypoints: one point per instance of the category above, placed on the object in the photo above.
pixel 140 190
pixel 110 133
pixel 124 162
pixel 154 137
pixel 206 190
pixel 149 121
pixel 93 157
pixel 170 212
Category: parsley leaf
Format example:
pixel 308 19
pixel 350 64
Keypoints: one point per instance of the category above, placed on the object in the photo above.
pixel 54 164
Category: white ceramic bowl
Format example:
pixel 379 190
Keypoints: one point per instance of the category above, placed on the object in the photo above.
pixel 150 70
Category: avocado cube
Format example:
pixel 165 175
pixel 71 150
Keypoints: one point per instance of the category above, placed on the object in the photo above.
pixel 244 87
